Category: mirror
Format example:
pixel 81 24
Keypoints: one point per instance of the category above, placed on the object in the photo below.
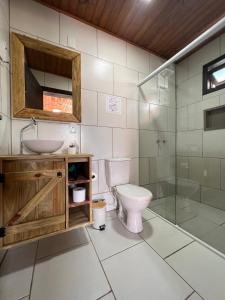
pixel 45 80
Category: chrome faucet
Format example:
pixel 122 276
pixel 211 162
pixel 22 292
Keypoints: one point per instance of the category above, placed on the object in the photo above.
pixel 32 123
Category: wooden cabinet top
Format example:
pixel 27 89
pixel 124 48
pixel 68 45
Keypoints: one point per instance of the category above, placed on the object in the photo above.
pixel 43 156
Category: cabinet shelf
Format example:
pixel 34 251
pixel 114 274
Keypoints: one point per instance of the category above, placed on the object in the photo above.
pixel 73 204
pixel 78 218
pixel 79 181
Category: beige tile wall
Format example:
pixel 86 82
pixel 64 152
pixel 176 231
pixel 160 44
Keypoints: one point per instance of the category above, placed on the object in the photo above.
pixel 110 66
pixel 200 163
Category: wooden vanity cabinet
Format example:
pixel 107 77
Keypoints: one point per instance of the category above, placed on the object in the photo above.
pixel 35 198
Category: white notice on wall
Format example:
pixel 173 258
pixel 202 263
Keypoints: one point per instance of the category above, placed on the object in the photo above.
pixel 113 104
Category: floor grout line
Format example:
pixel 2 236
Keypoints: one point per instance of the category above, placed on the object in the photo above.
pixel 104 295
pixel 111 290
pixel 177 250
pixel 32 277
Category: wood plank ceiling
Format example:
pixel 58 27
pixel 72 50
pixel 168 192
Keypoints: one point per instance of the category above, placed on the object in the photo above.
pixel 161 26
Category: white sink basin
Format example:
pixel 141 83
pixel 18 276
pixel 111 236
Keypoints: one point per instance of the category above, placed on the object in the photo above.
pixel 43 146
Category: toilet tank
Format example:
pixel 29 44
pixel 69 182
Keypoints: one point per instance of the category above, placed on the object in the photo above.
pixel 117 171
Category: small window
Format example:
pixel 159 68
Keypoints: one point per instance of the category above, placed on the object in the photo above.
pixel 214 75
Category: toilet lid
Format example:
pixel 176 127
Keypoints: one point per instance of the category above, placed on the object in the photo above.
pixel 133 191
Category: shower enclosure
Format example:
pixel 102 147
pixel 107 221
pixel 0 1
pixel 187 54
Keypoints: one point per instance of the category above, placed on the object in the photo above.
pixel 181 161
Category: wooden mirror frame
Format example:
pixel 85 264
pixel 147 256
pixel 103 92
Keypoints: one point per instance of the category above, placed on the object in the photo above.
pixel 19 110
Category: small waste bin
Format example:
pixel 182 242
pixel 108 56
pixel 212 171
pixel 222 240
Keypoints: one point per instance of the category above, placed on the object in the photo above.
pixel 99 210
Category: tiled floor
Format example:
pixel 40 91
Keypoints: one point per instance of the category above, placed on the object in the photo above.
pixel 161 263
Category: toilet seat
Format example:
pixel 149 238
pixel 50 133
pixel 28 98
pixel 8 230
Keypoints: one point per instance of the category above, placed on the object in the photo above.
pixel 133 192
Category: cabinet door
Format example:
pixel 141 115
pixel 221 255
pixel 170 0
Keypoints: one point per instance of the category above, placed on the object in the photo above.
pixel 33 198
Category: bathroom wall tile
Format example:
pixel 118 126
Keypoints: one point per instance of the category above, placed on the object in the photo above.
pixel 149 91
pixel 161 168
pixel 148 143
pixel 95 170
pixel 134 171
pixel 110 119
pixel 189 189
pixel 155 62
pixel 222 44
pixel 16 272
pixel 182 71
pixel 111 48
pixel 222 172
pixel 89 104
pixel 102 184
pixel 195 116
pixel 222 98
pixel 96 140
pixel 30 133
pixel 125 143
pixel 125 82
pixel 167 143
pixel 182 167
pixel 214 143
pixel 78 35
pixel 96 74
pixel 144 171
pixel 4 10
pixel 182 118
pixel 35 19
pixel 57 82
pixel 4 24
pixel 59 131
pixel 137 58
pixel 5 136
pixel 158 117
pixel 213 197
pixel 132 114
pixel 203 56
pixel 210 102
pixel 205 171
pixel 144 115
pixel 189 143
pixel 5 89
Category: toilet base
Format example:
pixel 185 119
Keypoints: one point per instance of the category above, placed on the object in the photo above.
pixel 132 221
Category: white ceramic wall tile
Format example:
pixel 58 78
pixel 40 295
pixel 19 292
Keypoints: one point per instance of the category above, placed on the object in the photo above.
pixel 111 48
pixel 71 271
pixel 96 140
pixel 59 131
pixel 132 114
pixel 222 166
pixel 222 44
pixel 4 8
pixel 135 263
pixel 113 240
pixel 182 121
pixel 149 91
pixel 214 143
pixel 144 115
pixel 16 272
pixel 163 237
pixel 5 89
pixel 190 143
pixel 111 119
pixel 195 116
pixel 89 105
pixel 45 21
pixel 148 143
pixel 161 168
pixel 102 186
pixel 210 102
pixel 205 171
pixel 134 171
pixel 182 167
pixel 182 71
pixel 144 171
pixel 95 182
pixel 125 142
pixel 158 117
pixel 125 82
pixel 5 136
pixel 78 35
pixel 137 58
pixel 30 133
pixel 171 119
pixel 4 26
pixel 96 74
pixel 206 279
pixel 166 143
pixel 155 62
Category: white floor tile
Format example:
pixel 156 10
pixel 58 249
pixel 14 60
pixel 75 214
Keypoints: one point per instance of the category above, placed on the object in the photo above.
pixel 163 237
pixel 113 239
pixel 139 273
pixel 147 215
pixel 108 297
pixel 75 274
pixel 198 226
pixel 202 269
pixel 60 242
pixel 112 214
pixel 216 238
pixel 16 272
pixel 195 296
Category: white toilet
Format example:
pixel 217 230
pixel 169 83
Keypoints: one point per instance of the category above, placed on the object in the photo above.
pixel 132 199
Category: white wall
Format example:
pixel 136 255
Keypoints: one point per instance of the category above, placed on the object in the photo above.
pixel 201 154
pixel 109 66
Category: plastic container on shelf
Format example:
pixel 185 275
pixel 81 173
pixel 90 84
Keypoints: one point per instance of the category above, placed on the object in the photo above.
pixel 99 214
